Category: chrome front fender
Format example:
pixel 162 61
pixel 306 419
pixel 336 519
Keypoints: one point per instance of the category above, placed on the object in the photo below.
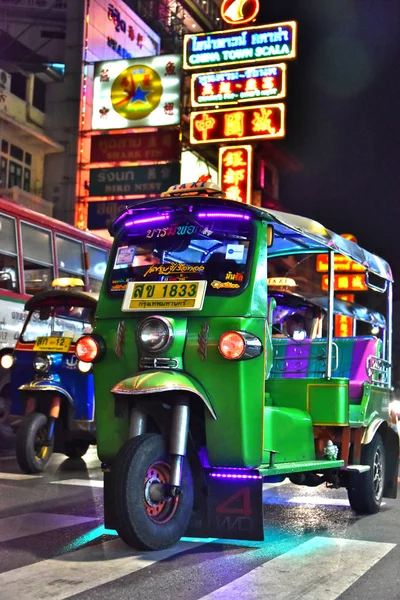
pixel 155 382
pixel 45 386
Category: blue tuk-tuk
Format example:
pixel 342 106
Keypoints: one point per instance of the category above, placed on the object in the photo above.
pixel 52 392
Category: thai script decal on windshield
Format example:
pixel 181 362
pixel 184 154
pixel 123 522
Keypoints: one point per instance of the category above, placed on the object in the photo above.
pixel 173 268
pixel 224 284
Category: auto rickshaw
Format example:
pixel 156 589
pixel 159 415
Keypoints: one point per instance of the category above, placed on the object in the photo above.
pixel 52 393
pixel 198 403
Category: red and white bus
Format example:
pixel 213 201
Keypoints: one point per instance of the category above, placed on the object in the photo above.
pixel 34 250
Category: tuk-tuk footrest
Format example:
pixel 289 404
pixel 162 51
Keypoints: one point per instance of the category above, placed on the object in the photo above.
pixel 299 467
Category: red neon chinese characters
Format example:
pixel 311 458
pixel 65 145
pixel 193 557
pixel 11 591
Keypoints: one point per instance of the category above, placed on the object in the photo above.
pixel 204 125
pixel 235 164
pixel 347 282
pixel 234 124
pixel 262 121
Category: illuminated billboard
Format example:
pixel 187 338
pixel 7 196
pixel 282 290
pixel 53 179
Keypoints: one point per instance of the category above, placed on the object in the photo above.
pixel 249 123
pixel 239 12
pixel 234 86
pixel 143 92
pixel 235 172
pixel 348 282
pixel 342 263
pixel 136 147
pixel 235 46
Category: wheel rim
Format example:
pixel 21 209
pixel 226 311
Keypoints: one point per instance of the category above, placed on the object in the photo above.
pixel 41 451
pixel 377 474
pixel 158 508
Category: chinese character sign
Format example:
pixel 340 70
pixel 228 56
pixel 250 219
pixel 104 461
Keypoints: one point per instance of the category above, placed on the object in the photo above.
pixel 257 122
pixel 351 282
pixel 235 172
pixel 235 46
pixel 137 93
pixel 239 85
pixel 342 263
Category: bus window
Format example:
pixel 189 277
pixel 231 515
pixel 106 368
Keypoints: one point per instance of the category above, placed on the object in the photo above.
pixel 38 258
pixel 97 266
pixel 9 279
pixel 69 257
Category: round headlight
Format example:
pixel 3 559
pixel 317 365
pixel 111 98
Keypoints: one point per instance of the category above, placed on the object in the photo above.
pixel 7 361
pixel 42 364
pixel 155 334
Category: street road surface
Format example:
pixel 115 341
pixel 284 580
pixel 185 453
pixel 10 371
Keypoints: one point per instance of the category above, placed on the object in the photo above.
pixel 53 546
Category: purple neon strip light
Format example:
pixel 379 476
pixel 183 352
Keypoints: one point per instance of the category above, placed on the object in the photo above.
pixel 148 220
pixel 234 476
pixel 222 215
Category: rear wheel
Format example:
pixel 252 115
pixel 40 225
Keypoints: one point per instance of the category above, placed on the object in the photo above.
pixel 145 518
pixel 366 496
pixel 76 449
pixel 31 451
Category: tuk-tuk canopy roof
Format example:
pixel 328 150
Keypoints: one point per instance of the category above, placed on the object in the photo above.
pixel 293 233
pixel 62 298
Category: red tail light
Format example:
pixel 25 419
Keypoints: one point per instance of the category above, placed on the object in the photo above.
pixel 88 349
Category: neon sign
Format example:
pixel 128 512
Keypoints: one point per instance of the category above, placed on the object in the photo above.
pixel 347 282
pixel 235 172
pixel 239 12
pixel 249 123
pixel 341 263
pixel 239 85
pixel 253 44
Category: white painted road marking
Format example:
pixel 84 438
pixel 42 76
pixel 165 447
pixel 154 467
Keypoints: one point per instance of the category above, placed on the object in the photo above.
pixel 320 500
pixel 86 482
pixel 12 528
pixel 320 568
pixel 82 570
pixel 18 476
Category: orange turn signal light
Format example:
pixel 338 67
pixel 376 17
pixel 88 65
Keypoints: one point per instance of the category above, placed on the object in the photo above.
pixel 232 345
pixel 87 349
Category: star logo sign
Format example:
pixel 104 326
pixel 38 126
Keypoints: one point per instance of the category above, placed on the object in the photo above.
pixel 140 95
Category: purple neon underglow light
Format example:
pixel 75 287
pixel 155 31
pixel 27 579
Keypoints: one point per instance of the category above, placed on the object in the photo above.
pixel 234 476
pixel 221 215
pixel 148 220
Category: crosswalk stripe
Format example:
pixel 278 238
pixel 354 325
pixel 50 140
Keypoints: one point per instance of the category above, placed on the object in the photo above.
pixel 34 523
pixel 320 568
pixel 86 482
pixel 82 570
pixel 18 476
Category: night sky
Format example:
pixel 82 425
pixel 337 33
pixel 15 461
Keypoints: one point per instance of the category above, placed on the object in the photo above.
pixel 343 118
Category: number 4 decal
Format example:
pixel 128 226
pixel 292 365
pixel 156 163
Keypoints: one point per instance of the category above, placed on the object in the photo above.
pixel 242 502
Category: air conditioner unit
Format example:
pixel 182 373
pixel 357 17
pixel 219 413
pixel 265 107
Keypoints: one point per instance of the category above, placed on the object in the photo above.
pixel 5 80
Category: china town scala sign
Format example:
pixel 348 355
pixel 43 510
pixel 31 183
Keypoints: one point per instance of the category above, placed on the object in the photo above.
pixel 239 12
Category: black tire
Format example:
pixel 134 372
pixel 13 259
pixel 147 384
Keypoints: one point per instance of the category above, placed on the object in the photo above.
pixel 139 522
pixel 4 410
pixel 76 449
pixel 32 455
pixel 366 496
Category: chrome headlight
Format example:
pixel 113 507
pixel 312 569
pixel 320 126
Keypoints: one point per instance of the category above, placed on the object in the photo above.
pixel 155 334
pixel 42 364
pixel 7 361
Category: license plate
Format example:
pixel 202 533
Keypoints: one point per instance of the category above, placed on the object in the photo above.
pixel 164 295
pixel 53 344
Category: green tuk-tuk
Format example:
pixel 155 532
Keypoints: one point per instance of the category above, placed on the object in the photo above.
pixel 203 394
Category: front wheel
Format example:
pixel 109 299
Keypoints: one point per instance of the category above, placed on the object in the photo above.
pixel 366 496
pixel 31 451
pixel 145 519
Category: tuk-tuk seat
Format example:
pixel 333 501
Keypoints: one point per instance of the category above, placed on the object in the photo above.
pixel 293 359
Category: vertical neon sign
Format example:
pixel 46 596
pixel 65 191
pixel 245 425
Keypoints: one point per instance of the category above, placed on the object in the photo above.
pixel 235 172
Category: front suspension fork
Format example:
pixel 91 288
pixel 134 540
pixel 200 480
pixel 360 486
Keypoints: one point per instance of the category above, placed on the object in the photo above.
pixel 51 421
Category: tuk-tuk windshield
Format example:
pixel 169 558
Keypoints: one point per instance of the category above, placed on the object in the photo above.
pixel 67 321
pixel 191 244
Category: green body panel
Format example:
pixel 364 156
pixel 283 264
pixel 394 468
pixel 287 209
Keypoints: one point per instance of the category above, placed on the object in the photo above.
pixel 374 403
pixel 236 390
pixel 288 432
pixel 300 467
pixel 325 400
